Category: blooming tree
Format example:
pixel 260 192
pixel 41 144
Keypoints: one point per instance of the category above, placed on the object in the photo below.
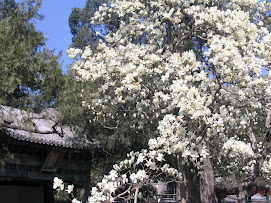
pixel 194 70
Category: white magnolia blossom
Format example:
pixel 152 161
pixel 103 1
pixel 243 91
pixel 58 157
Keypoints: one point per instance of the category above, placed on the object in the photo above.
pixel 72 52
pixel 58 184
pixel 138 177
pixel 198 97
pixel 70 189
pixel 76 201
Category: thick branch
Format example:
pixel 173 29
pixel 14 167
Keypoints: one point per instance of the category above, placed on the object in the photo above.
pixel 169 35
pixel 252 137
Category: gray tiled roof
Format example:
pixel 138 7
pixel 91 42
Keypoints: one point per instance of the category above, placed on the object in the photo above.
pixel 42 128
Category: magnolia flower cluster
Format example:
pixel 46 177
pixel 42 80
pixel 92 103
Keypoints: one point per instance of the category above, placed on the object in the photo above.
pixel 234 148
pixel 175 139
pixel 59 185
pixel 239 154
pixel 139 169
pixel 72 52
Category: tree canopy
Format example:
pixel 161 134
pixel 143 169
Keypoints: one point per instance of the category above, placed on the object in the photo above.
pixel 30 74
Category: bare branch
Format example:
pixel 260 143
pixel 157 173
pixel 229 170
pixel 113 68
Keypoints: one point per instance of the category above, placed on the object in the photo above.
pixel 109 127
pixel 123 193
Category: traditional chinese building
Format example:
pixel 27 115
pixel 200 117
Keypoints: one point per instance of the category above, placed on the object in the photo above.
pixel 34 148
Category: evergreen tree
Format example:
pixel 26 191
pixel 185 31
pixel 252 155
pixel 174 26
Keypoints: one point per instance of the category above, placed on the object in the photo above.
pixel 30 75
pixel 87 34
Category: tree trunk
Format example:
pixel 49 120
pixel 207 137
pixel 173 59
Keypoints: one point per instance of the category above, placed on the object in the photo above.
pixel 195 188
pixel 181 189
pixel 193 185
pixel 188 190
pixel 207 183
pixel 242 195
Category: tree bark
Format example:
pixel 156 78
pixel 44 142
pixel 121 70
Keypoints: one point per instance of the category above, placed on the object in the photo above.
pixel 207 184
pixel 193 185
pixel 196 188
pixel 189 189
pixel 181 191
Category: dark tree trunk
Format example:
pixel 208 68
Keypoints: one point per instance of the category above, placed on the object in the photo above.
pixel 181 189
pixel 189 190
pixel 196 188
pixel 181 195
pixel 193 185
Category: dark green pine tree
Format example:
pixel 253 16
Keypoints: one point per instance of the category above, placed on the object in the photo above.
pixel 84 33
pixel 30 75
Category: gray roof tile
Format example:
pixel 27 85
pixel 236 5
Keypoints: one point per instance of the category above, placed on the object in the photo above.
pixel 39 128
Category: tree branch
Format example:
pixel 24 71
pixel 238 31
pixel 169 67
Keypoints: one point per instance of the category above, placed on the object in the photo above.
pixel 123 193
pixel 252 136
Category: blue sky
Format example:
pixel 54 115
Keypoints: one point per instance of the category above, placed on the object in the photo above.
pixel 55 25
